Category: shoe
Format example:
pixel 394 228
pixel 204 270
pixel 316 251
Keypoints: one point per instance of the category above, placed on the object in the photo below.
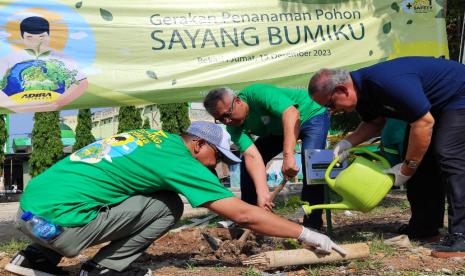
pixel 29 263
pixel 432 236
pixel 91 268
pixel 453 245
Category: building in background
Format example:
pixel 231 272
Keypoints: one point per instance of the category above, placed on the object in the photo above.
pixel 105 122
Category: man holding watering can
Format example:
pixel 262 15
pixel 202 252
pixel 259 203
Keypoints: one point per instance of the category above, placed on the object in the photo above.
pixel 279 116
pixel 429 94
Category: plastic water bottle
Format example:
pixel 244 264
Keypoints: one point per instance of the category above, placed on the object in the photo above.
pixel 41 228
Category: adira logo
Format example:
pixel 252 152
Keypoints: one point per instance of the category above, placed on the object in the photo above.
pixel 417 6
pixel 37 96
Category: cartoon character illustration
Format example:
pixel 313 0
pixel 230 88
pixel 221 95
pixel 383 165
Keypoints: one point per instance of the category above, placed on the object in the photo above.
pixel 112 147
pixel 38 78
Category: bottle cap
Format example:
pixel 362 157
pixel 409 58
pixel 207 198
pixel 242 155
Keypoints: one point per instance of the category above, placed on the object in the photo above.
pixel 26 216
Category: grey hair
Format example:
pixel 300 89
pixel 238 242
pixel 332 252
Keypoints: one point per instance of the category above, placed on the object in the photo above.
pixel 325 80
pixel 214 96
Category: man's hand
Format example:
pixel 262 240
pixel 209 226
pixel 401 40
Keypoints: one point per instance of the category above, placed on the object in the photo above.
pixel 322 243
pixel 290 168
pixel 340 150
pixel 264 201
pixel 400 178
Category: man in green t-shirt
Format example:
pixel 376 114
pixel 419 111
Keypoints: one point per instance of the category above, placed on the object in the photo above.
pixel 124 190
pixel 278 116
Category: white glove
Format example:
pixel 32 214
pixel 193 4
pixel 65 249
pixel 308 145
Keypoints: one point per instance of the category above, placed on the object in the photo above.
pixel 399 177
pixel 322 243
pixel 340 150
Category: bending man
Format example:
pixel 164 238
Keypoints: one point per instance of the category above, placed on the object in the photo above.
pixel 278 116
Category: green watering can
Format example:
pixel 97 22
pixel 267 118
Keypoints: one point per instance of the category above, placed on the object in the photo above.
pixel 362 185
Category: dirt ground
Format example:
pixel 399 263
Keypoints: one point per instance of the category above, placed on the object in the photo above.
pixel 188 253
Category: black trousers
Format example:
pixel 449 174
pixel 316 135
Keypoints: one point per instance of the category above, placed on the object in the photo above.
pixel 442 171
pixel 425 193
pixel 269 147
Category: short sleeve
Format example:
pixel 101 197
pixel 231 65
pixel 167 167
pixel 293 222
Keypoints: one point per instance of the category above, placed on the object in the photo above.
pixel 241 139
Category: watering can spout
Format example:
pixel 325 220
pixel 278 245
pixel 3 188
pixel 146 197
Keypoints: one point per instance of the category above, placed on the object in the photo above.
pixel 308 209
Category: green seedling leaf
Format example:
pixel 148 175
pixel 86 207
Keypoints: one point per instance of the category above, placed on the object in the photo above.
pixel 387 28
pixel 31 52
pixel 409 22
pixel 152 75
pixel 370 53
pixel 45 54
pixel 174 82
pixel 106 15
pixel 78 5
pixel 395 6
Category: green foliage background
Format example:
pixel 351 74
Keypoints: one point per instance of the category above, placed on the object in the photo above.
pixel 47 147
pixel 146 124
pixel 83 129
pixel 454 22
pixel 174 117
pixel 129 118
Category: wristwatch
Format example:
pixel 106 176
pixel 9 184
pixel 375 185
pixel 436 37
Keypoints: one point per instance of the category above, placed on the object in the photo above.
pixel 412 164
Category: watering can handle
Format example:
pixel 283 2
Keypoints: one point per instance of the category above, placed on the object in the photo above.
pixel 330 181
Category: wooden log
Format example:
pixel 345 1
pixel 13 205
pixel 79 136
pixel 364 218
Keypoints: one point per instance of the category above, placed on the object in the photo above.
pixel 274 259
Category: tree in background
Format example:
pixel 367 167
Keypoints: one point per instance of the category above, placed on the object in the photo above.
pixel 146 124
pixel 174 117
pixel 47 147
pixel 454 22
pixel 83 129
pixel 129 118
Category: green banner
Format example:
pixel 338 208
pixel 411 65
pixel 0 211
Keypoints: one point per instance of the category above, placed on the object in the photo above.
pixel 78 54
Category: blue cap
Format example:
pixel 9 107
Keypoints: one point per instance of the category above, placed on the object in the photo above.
pixel 215 135
pixel 26 216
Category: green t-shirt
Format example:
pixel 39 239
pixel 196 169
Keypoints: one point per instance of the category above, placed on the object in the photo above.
pixel 267 104
pixel 107 172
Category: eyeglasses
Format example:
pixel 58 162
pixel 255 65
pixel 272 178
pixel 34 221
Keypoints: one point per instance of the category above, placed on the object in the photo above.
pixel 227 115
pixel 330 104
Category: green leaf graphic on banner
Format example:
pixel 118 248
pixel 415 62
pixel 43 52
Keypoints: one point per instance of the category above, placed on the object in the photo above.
pixel 409 21
pixel 31 52
pixel 106 15
pixel 152 75
pixel 370 53
pixel 45 54
pixel 440 14
pixel 78 5
pixel 387 28
pixel 395 7
pixel 173 82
